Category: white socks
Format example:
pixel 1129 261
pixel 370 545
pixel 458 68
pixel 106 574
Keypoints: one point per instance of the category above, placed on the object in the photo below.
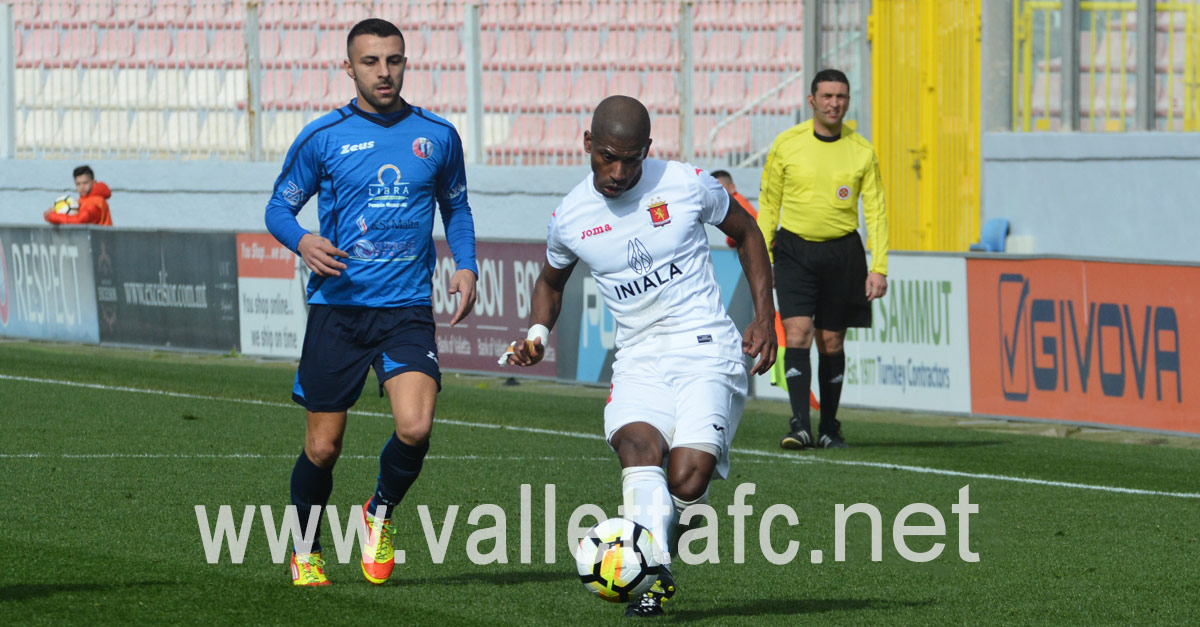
pixel 648 502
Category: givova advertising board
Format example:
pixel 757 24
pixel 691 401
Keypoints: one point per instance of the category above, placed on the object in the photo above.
pixel 1086 341
pixel 46 285
pixel 271 297
pixel 158 288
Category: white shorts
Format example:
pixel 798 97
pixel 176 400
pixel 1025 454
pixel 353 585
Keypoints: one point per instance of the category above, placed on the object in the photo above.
pixel 694 401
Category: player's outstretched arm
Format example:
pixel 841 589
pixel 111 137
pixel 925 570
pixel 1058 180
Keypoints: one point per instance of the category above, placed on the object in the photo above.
pixel 463 283
pixel 547 303
pixel 759 338
pixel 320 255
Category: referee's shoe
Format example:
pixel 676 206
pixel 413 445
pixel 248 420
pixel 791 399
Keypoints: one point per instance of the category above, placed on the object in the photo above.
pixel 799 438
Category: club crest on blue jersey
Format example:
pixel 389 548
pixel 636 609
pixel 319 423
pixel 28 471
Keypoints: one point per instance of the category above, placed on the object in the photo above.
pixel 293 195
pixel 422 148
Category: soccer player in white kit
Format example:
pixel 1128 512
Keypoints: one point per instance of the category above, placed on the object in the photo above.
pixel 679 381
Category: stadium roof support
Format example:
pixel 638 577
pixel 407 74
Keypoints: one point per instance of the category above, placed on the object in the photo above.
pixel 1145 83
pixel 8 81
pixel 1069 36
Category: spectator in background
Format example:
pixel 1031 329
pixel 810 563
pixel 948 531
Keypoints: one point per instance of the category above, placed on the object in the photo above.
pixel 93 201
pixel 726 181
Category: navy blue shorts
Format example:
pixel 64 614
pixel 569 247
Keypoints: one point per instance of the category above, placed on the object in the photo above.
pixel 342 343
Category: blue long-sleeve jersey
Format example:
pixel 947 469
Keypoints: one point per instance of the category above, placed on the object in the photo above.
pixel 378 179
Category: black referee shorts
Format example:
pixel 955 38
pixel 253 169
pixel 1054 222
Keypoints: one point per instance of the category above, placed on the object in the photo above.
pixel 341 344
pixel 823 280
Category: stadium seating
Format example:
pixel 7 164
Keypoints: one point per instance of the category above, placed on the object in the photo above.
pixel 115 47
pixel 992 236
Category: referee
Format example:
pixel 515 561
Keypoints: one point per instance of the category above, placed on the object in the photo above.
pixel 808 213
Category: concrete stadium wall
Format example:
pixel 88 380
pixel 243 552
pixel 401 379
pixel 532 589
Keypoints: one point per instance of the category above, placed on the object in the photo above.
pixel 508 202
pixel 1118 195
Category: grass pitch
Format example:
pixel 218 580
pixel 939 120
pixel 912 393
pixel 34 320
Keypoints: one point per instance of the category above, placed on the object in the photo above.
pixel 105 453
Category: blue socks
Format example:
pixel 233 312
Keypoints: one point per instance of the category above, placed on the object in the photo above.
pixel 311 485
pixel 399 465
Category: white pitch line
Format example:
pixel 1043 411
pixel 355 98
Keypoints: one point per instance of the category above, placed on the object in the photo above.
pixel 593 436
pixel 507 458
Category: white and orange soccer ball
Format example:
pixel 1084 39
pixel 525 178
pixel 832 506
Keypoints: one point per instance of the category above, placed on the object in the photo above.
pixel 66 204
pixel 617 560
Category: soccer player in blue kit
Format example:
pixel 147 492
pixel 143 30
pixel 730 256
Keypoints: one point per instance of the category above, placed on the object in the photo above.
pixel 380 167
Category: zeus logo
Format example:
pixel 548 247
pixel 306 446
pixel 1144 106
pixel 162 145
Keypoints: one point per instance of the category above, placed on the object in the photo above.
pixel 349 148
pixel 640 260
pixel 596 231
pixel 1014 368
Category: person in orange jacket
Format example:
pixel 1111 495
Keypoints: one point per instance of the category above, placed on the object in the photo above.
pixel 726 181
pixel 777 375
pixel 93 201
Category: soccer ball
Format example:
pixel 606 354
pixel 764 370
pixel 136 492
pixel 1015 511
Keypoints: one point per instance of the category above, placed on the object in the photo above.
pixel 617 560
pixel 66 204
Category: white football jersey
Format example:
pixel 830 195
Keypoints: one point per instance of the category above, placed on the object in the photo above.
pixel 648 253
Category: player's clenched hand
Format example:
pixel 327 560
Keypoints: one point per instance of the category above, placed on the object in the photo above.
pixel 876 286
pixel 526 352
pixel 320 255
pixel 463 283
pixel 759 341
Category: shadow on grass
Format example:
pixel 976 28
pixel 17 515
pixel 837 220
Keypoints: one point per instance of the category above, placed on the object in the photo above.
pixel 498 579
pixel 787 607
pixel 929 444
pixel 21 591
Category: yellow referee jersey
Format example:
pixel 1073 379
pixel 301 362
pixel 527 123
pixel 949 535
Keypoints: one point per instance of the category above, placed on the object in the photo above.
pixel 811 188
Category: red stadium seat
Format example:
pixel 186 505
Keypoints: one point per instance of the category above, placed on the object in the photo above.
pixel 298 45
pixel 94 10
pixel 522 89
pixel 418 88
pixel 661 91
pixel 502 13
pixel 331 48
pixel 625 84
pixel 656 46
pixel 563 134
pixel 511 46
pixel 311 90
pixel 276 89
pixel 714 13
pixel 648 13
pixel 493 88
pixel 41 44
pixel 24 12
pixel 116 47
pixel 549 46
pixel 129 10
pixel 584 46
pixel 620 45
pixel 191 47
pixel 450 92
pixel 731 138
pixel 229 48
pixel 590 89
pixel 213 11
pixel 273 14
pixel 78 45
pixel 722 91
pixel 572 12
pixel 56 11
pixel 555 90
pixel 527 133
pixel 759 47
pixel 169 11
pixel 791 50
pixel 665 133
pixel 153 48
pixel 724 48
pixel 443 47
pixel 268 47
